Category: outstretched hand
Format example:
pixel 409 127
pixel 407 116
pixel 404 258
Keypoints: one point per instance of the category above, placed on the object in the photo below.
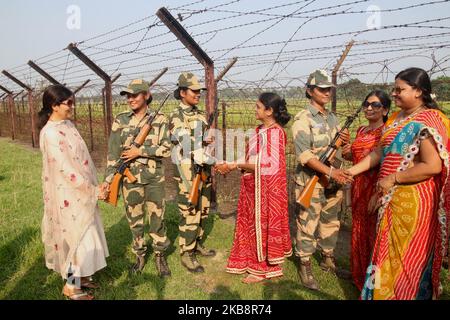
pixel 103 191
pixel 341 176
pixel 225 168
pixel 222 168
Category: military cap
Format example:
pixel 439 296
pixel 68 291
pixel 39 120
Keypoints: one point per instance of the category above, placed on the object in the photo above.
pixel 136 86
pixel 320 78
pixel 190 81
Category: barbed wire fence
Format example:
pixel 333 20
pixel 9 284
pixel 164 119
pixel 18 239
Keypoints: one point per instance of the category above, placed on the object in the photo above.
pixel 97 68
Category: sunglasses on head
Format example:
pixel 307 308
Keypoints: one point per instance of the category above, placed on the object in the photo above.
pixel 375 105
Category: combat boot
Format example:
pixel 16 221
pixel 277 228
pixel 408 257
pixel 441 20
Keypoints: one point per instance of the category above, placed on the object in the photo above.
pixel 161 265
pixel 138 266
pixel 306 275
pixel 328 263
pixel 200 249
pixel 190 262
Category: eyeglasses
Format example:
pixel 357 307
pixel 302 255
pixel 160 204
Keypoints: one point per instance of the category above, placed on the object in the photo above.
pixel 68 103
pixel 397 90
pixel 376 105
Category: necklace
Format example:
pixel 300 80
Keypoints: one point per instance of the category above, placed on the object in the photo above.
pixel 270 125
pixel 398 120
pixel 419 108
pixel 368 128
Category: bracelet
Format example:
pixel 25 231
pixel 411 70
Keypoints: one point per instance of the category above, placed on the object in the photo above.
pixel 331 170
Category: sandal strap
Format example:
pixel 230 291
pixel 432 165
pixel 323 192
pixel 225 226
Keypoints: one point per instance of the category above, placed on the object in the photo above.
pixel 77 296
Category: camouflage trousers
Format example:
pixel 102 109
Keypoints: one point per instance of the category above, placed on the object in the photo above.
pixel 319 224
pixel 192 219
pixel 148 198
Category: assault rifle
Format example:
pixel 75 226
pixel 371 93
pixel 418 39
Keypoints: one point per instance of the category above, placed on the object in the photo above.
pixel 305 197
pixel 123 166
pixel 200 175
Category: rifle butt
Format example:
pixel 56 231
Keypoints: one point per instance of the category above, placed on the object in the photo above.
pixel 114 190
pixel 305 196
pixel 193 195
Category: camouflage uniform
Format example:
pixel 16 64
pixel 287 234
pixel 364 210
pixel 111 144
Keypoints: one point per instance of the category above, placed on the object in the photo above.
pixel 147 193
pixel 312 133
pixel 184 122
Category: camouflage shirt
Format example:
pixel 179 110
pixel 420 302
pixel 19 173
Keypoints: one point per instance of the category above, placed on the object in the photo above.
pixel 189 123
pixel 156 146
pixel 312 132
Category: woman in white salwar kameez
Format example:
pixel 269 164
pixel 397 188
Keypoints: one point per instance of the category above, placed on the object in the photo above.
pixel 72 230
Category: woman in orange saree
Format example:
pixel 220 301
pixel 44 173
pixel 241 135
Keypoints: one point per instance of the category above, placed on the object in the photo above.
pixel 414 195
pixel 261 238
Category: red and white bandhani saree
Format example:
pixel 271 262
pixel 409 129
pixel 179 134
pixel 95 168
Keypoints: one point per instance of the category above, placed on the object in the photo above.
pixel 261 238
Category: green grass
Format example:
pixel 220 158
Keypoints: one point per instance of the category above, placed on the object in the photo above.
pixel 23 274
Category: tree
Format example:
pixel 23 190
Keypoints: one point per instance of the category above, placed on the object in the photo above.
pixel 441 87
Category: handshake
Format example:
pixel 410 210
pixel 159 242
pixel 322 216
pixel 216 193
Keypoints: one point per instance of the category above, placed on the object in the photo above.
pixel 341 176
pixel 225 168
pixel 103 191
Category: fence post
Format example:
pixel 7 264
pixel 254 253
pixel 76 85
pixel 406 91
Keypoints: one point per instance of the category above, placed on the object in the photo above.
pixel 43 73
pixel 1 97
pixel 108 83
pixel 334 74
pixel 91 133
pixel 226 69
pixel 34 128
pixel 12 111
pixel 224 129
pixel 224 125
pixel 18 116
pixel 78 89
pixel 163 71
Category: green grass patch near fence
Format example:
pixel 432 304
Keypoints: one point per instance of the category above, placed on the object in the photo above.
pixel 23 274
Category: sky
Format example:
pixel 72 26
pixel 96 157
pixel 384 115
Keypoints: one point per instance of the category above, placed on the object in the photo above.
pixel 35 29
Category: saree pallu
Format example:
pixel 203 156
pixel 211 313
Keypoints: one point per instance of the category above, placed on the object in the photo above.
pixel 261 238
pixel 412 223
pixel 363 222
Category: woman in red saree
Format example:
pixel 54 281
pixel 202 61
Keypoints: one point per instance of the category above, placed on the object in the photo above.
pixel 376 108
pixel 261 238
pixel 412 230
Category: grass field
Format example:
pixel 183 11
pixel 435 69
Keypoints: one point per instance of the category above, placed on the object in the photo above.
pixel 23 274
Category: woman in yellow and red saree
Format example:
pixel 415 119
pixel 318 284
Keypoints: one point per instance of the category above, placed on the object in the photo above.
pixel 414 193
pixel 261 238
